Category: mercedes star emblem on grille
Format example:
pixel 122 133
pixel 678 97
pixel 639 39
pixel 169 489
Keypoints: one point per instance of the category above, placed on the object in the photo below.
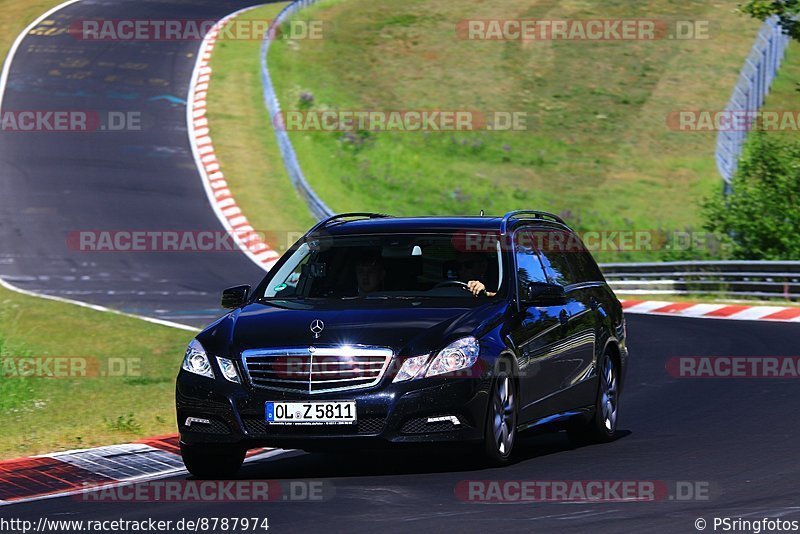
pixel 317 327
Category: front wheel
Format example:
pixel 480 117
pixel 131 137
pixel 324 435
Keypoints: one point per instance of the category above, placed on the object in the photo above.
pixel 602 427
pixel 501 421
pixel 212 461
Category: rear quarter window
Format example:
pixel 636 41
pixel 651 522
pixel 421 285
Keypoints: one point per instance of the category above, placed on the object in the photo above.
pixel 568 262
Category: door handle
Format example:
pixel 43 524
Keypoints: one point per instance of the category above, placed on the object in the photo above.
pixel 563 317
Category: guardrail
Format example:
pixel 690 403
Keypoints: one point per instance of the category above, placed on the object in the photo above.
pixel 751 89
pixel 764 279
pixel 316 205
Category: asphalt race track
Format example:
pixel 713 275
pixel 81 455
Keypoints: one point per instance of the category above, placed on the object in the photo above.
pixel 737 437
pixel 58 184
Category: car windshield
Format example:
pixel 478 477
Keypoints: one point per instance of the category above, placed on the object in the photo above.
pixel 387 266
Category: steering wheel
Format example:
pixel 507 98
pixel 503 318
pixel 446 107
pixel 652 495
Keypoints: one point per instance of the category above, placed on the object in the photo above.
pixel 452 283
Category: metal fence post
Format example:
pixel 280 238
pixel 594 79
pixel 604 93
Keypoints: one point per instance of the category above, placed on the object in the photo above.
pixel 749 93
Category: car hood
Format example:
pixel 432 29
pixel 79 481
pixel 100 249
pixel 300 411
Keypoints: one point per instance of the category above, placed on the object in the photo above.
pixel 405 326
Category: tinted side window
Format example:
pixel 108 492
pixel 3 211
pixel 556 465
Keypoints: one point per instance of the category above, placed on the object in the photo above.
pixel 529 268
pixel 584 266
pixel 566 260
pixel 557 266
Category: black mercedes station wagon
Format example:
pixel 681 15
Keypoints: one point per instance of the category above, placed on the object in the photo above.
pixel 373 329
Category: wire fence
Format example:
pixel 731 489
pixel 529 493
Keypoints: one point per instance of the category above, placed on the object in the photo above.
pixel 751 90
pixel 316 205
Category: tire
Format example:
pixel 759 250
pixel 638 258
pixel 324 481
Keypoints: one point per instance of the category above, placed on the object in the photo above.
pixel 212 462
pixel 500 433
pixel 602 427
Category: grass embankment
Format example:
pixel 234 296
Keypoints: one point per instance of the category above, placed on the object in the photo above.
pixel 82 409
pixel 598 149
pixel 785 92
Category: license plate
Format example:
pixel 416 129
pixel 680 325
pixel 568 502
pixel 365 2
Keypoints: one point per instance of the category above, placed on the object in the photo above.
pixel 311 413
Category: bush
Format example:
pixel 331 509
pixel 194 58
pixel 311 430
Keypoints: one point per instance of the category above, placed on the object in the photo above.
pixel 761 216
pixel 787 11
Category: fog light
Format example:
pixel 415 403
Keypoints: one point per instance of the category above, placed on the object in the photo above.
pixel 190 420
pixel 452 418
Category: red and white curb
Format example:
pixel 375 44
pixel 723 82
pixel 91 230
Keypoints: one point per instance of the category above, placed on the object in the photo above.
pixel 72 472
pixel 713 311
pixel 216 186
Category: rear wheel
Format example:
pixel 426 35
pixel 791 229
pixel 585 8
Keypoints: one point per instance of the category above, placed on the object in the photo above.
pixel 212 461
pixel 602 427
pixel 501 421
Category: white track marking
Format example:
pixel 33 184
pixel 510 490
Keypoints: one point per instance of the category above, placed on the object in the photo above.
pixel 756 312
pixel 96 307
pixel 647 307
pixel 698 310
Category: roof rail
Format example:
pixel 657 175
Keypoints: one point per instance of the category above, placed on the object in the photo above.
pixel 364 215
pixel 528 215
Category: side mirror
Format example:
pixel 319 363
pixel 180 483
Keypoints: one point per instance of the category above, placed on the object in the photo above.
pixel 543 294
pixel 234 297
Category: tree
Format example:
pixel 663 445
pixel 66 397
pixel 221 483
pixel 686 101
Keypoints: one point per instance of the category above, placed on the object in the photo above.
pixel 788 12
pixel 761 216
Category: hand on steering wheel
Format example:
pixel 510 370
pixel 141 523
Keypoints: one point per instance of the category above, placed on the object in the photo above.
pixel 477 288
pixel 474 287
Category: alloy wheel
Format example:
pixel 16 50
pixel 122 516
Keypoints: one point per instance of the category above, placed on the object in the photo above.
pixel 504 416
pixel 608 394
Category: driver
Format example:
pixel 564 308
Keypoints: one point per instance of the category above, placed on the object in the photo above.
pixel 473 267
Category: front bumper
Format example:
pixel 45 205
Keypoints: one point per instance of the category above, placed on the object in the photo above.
pixel 388 413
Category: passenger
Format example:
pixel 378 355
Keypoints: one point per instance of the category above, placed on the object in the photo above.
pixel 370 274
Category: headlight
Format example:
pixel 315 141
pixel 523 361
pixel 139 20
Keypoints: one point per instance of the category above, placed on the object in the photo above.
pixel 410 368
pixel 228 369
pixel 459 354
pixel 196 361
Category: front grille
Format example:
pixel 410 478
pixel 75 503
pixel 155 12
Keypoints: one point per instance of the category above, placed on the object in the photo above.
pixel 367 425
pixel 316 369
